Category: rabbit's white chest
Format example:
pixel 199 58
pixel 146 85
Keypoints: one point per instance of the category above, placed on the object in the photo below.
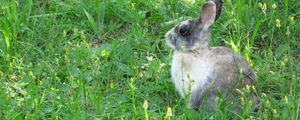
pixel 189 71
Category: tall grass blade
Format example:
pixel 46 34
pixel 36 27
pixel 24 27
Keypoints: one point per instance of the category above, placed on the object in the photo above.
pixel 5 30
pixel 92 22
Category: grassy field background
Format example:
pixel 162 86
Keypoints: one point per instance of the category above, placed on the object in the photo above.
pixel 107 59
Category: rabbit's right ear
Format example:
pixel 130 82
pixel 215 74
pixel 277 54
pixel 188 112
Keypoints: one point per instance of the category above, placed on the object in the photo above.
pixel 208 14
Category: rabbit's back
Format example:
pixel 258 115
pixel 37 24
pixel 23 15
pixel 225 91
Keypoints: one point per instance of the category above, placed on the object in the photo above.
pixel 231 68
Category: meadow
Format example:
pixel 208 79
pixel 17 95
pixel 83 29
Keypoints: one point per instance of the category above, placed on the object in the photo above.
pixel 107 59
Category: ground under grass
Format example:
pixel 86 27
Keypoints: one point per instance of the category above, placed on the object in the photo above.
pixel 107 59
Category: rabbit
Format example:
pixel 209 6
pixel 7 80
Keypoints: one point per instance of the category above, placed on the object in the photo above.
pixel 201 69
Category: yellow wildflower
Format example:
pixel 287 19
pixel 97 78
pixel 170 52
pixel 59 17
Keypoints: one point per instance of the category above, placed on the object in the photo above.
pixel 104 53
pixel 274 111
pixel 286 99
pixel 13 77
pixel 231 13
pixel 145 106
pixel 253 88
pixel 36 101
pixel 263 7
pixel 282 63
pixel 31 73
pixel 243 100
pixel 64 33
pixel 169 113
pixel 133 5
pixel 292 19
pixel 268 102
pixel 70 43
pixel 41 82
pixel 278 23
pixel 52 88
pixel 71 77
pixel 248 88
pixel 239 91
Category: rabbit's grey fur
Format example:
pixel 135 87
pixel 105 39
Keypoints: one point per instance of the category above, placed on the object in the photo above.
pixel 198 68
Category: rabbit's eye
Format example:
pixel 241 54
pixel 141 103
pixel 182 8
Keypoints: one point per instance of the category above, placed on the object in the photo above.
pixel 183 31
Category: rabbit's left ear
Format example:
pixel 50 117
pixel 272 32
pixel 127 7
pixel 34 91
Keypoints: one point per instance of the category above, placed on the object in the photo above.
pixel 219 4
pixel 208 14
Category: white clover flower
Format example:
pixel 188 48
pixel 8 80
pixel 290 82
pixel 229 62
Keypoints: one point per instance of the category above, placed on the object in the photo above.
pixel 274 6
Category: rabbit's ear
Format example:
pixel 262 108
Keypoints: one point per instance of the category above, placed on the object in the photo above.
pixel 219 4
pixel 208 14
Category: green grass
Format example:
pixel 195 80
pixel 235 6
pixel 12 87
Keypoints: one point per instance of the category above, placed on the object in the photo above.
pixel 51 68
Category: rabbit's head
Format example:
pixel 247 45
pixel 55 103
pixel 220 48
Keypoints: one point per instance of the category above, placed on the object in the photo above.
pixel 194 34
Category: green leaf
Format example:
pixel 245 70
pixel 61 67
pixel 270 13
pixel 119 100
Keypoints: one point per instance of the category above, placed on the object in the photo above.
pixel 281 50
pixel 124 68
pixel 92 21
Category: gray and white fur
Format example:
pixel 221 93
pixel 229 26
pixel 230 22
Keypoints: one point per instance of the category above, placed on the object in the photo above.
pixel 207 68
